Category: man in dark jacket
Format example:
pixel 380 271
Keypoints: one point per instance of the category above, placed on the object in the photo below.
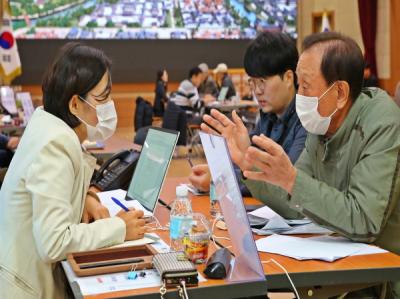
pixel 270 61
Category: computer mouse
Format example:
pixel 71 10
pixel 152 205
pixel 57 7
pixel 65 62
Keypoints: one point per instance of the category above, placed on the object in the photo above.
pixel 219 264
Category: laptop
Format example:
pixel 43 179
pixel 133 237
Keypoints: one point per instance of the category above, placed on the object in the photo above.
pixel 247 265
pixel 222 94
pixel 152 167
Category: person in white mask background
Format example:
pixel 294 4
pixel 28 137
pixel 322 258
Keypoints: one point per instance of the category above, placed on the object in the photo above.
pixel 45 201
pixel 347 177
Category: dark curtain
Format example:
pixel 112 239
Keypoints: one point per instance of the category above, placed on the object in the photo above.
pixel 367 10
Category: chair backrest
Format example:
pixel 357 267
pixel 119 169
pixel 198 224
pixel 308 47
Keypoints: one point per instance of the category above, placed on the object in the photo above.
pixel 175 119
pixel 143 113
pixel 397 94
pixel 141 135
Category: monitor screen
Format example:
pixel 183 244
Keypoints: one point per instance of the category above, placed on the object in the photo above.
pixel 247 264
pixel 152 167
pixel 157 19
pixel 222 93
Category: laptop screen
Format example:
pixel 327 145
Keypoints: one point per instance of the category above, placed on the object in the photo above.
pixel 222 93
pixel 152 167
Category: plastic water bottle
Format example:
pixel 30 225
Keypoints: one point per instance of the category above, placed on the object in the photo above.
pixel 180 220
pixel 214 206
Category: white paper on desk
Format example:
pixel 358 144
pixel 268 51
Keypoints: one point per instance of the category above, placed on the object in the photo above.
pixel 324 248
pixel 113 208
pixel 138 242
pixel 194 190
pixel 113 282
pixel 264 212
pixel 310 228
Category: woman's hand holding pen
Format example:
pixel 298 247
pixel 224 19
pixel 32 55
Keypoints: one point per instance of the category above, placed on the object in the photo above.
pixel 135 224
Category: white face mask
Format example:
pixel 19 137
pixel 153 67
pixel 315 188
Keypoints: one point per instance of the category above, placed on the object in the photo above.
pixel 107 121
pixel 307 110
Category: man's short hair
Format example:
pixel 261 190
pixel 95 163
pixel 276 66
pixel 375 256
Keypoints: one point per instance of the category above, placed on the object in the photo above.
pixel 270 54
pixel 342 59
pixel 195 71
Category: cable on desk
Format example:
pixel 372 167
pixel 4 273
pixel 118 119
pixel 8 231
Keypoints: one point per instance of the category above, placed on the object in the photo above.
pixel 158 225
pixel 286 272
pixel 213 236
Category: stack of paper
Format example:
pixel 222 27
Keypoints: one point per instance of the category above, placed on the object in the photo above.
pixel 326 248
pixel 113 208
pixel 266 221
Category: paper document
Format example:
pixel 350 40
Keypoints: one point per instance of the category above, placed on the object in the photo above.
pixel 264 212
pixel 326 248
pixel 194 190
pixel 266 221
pixel 113 282
pixel 138 242
pixel 113 208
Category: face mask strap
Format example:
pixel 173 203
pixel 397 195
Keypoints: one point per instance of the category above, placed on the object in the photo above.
pixel 94 107
pixel 326 91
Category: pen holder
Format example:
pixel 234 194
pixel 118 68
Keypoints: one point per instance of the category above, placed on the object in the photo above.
pixel 111 260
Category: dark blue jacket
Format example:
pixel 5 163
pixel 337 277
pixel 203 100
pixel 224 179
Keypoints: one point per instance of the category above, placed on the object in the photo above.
pixel 3 142
pixel 287 131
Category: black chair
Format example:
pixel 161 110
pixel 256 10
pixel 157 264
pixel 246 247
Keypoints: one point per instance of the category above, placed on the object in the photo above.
pixel 175 118
pixel 141 135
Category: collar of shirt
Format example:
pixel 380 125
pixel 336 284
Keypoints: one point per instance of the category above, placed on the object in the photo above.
pixel 332 144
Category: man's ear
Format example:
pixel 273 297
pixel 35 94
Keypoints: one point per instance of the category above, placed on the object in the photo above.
pixel 288 78
pixel 343 93
pixel 73 104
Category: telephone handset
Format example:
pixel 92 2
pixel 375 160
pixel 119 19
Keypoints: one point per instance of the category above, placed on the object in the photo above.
pixel 116 172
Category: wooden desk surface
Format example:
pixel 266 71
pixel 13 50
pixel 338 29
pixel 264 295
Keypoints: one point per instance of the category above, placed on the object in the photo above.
pixel 347 268
pixel 360 270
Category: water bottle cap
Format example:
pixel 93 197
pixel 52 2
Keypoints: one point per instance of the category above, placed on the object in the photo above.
pixel 181 191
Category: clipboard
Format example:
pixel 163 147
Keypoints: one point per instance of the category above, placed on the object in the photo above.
pixel 111 260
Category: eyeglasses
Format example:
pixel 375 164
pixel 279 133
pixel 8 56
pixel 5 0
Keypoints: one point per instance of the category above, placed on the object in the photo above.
pixel 257 83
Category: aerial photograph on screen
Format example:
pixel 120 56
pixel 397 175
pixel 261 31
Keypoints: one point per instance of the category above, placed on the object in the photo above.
pixel 151 19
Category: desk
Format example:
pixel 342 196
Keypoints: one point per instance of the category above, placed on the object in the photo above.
pixel 114 145
pixel 314 279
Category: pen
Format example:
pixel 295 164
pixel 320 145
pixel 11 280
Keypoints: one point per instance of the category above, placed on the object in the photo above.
pixel 120 204
pixel 190 161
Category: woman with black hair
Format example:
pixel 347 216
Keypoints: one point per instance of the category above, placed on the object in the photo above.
pixel 161 97
pixel 45 194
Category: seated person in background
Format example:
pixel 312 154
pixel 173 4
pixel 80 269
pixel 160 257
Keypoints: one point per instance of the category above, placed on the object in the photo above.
pixel 45 193
pixel 270 62
pixel 348 176
pixel 161 97
pixel 208 87
pixel 247 94
pixel 7 147
pixel 224 80
pixel 370 79
pixel 187 96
